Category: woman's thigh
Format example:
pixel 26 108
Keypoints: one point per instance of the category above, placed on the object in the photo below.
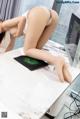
pixel 37 21
pixel 50 28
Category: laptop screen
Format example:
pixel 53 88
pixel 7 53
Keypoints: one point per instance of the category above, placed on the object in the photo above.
pixel 73 36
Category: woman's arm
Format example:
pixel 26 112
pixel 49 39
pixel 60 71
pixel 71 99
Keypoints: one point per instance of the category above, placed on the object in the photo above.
pixel 18 23
pixel 21 25
pixel 11 43
pixel 59 62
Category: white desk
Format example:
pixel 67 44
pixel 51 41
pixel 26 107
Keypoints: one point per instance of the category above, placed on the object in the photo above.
pixel 10 114
pixel 26 92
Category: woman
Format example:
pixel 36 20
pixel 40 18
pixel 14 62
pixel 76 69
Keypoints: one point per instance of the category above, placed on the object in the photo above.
pixel 6 40
pixel 37 25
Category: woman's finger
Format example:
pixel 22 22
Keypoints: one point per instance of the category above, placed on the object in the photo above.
pixel 66 73
pixel 60 72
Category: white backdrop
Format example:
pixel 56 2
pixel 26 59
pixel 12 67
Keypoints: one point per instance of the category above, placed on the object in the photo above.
pixel 25 4
pixel 67 10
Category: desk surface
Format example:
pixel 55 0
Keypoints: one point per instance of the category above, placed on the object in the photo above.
pixel 26 92
pixel 10 114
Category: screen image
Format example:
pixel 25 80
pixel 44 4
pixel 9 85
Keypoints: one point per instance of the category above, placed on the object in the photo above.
pixel 73 36
pixel 30 63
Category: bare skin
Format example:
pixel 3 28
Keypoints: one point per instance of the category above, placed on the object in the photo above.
pixel 37 34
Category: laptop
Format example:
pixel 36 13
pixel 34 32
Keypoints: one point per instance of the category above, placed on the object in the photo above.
pixel 72 38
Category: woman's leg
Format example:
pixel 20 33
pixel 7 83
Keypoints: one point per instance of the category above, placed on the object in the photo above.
pixel 48 30
pixel 37 21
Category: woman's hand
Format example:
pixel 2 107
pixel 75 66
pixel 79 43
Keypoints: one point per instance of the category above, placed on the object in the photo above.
pixel 11 43
pixel 62 69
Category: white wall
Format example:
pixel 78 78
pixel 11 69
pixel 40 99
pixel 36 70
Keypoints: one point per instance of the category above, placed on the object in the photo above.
pixel 25 4
pixel 66 11
pixel 64 18
pixel 78 11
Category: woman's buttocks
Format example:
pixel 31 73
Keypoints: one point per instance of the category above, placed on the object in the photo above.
pixel 40 12
pixel 38 15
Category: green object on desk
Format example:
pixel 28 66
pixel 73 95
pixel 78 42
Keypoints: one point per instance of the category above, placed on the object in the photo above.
pixel 31 63
pixel 30 60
